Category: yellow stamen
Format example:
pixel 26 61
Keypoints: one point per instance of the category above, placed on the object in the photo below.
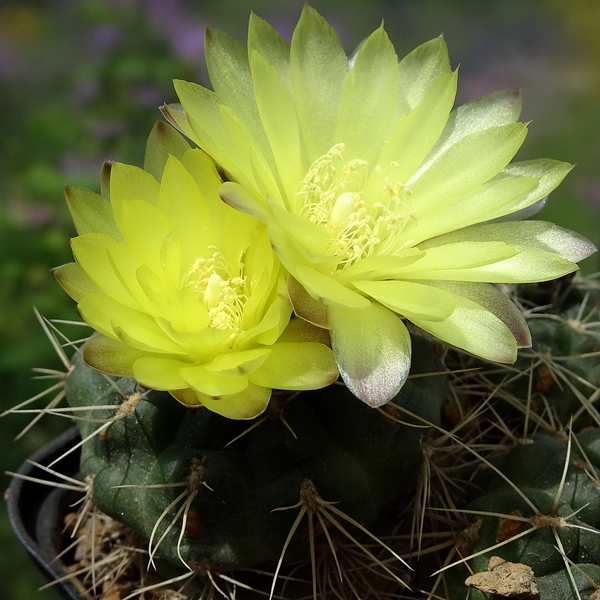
pixel 223 293
pixel 333 197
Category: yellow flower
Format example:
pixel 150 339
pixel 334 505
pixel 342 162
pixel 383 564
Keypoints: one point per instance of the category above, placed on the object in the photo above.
pixel 185 291
pixel 380 199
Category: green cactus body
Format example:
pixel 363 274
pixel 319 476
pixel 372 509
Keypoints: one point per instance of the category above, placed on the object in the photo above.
pixel 353 455
pixel 565 350
pixel 567 516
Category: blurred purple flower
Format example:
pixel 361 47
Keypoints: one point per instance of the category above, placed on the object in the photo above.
pixel 86 90
pixel 105 129
pixel 72 165
pixel 31 215
pixel 590 192
pixel 148 95
pixel 189 43
pixel 10 65
pixel 184 33
pixel 102 41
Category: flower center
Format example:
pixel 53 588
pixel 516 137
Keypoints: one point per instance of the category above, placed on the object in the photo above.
pixel 224 295
pixel 363 210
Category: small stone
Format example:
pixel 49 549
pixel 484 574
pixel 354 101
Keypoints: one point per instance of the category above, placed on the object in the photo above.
pixel 511 580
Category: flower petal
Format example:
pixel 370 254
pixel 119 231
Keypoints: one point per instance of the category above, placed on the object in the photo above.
pixel 549 174
pixel 238 197
pixel 203 122
pixel 305 234
pixel 419 69
pixel 144 228
pixel 305 306
pixel 474 207
pixel 163 141
pixel 269 328
pixel 133 327
pixel 234 364
pixel 523 234
pixel 494 110
pixel 185 211
pixel 468 163
pixel 199 118
pixel 91 251
pixel 410 299
pixel 381 267
pixel 278 116
pixel 105 179
pixel 372 349
pixel 369 99
pixel 109 356
pixel 140 331
pixel 416 131
pixel 127 183
pixel 229 71
pixel 91 213
pixel 527 266
pixel 474 329
pixel 160 373
pixel 297 366
pixel 329 291
pixel 248 163
pixel 299 330
pixel 212 384
pixel 127 269
pixel 248 404
pixel 75 282
pixel 271 46
pixel 491 298
pixel 457 256
pixel 318 65
pixel 293 253
pixel 523 213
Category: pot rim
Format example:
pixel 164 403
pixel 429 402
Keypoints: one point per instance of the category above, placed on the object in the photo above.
pixel 33 509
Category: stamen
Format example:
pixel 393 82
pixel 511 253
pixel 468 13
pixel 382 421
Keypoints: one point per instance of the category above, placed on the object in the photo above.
pixel 220 288
pixel 333 197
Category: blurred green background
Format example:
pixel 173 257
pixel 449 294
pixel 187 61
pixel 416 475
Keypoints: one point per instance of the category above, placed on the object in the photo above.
pixel 81 80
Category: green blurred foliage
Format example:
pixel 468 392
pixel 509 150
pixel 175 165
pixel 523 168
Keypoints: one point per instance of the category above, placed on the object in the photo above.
pixel 81 80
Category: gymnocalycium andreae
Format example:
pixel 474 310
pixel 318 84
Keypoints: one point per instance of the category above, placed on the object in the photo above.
pixel 308 306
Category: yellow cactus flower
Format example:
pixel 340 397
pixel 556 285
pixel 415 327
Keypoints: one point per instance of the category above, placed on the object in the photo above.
pixel 380 199
pixel 186 292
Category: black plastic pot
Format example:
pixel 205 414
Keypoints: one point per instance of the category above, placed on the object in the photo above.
pixel 36 510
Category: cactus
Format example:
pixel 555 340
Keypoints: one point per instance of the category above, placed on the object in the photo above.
pixel 231 283
pixel 232 481
pixel 205 489
pixel 540 510
pixel 561 370
pixel 533 510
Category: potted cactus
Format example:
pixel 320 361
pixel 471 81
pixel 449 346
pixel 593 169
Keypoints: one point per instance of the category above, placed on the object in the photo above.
pixel 303 381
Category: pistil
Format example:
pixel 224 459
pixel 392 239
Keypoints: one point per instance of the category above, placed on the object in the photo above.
pixel 222 292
